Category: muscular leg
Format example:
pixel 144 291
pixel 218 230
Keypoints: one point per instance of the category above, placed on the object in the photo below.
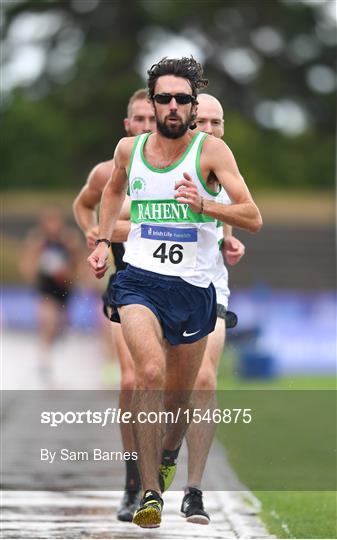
pixel 126 364
pixel 143 336
pixel 127 384
pixel 182 366
pixel 51 321
pixel 199 436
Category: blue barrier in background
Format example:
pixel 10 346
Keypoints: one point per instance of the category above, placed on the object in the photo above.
pixel 296 329
pixel 20 309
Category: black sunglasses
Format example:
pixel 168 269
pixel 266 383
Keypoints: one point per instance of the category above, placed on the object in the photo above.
pixel 181 99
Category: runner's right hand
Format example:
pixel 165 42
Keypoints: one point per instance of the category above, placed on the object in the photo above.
pixel 232 250
pixel 99 260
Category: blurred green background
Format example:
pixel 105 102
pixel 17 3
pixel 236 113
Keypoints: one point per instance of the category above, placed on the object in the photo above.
pixel 69 68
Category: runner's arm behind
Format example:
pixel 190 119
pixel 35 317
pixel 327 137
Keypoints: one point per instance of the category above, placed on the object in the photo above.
pixel 111 204
pixel 84 206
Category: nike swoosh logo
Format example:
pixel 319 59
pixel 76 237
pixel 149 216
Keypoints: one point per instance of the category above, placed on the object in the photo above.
pixel 187 334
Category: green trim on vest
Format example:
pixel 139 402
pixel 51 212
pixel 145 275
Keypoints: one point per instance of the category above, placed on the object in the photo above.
pixel 131 160
pixel 164 211
pixel 197 167
pixel 170 167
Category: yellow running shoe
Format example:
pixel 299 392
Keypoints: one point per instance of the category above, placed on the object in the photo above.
pixel 168 468
pixel 149 512
pixel 166 476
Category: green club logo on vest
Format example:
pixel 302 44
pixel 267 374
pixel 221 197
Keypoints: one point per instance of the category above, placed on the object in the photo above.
pixel 138 184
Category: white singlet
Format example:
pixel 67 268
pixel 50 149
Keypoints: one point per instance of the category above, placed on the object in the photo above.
pixel 166 236
pixel 220 279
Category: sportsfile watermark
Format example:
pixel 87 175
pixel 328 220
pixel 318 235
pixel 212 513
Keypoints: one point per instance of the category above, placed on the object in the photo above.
pixel 70 440
pixel 117 416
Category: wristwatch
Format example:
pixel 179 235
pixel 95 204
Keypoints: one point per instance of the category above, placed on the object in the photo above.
pixel 105 240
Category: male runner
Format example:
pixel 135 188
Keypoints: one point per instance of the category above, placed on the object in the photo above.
pixel 49 260
pixel 166 292
pixel 140 119
pixel 210 120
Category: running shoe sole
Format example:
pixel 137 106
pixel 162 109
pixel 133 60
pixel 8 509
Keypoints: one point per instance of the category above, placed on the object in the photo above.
pixel 148 518
pixel 200 520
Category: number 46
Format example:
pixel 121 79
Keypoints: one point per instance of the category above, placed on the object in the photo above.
pixel 175 254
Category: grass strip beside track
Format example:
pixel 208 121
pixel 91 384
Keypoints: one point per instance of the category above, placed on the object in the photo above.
pixel 287 514
pixel 299 514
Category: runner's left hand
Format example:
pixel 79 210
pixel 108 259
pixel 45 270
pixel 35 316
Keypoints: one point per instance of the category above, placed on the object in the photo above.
pixel 187 192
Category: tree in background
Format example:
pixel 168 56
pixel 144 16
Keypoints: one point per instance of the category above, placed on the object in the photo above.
pixel 69 67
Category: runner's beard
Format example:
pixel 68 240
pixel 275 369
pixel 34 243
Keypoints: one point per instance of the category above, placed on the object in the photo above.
pixel 173 132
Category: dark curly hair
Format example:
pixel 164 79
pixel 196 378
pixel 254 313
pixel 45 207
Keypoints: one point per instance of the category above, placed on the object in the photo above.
pixel 188 68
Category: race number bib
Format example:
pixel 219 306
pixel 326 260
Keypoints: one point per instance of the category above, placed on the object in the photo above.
pixel 173 247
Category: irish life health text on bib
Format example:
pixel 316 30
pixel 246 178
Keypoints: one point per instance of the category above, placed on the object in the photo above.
pixel 169 247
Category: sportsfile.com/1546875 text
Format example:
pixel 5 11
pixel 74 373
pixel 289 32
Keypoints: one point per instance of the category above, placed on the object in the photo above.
pixel 116 416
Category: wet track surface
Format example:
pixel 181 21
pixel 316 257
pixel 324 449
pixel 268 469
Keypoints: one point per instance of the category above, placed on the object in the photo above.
pixel 87 513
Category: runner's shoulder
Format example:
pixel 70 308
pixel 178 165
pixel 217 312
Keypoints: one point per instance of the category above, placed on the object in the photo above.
pixel 215 148
pixel 124 149
pixel 104 167
pixel 100 174
pixel 214 143
pixel 126 144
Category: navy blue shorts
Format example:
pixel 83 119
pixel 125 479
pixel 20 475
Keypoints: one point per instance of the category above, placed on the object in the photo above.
pixel 186 313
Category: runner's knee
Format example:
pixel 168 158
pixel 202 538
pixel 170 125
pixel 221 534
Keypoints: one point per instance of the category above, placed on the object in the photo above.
pixel 206 379
pixel 151 377
pixel 127 380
